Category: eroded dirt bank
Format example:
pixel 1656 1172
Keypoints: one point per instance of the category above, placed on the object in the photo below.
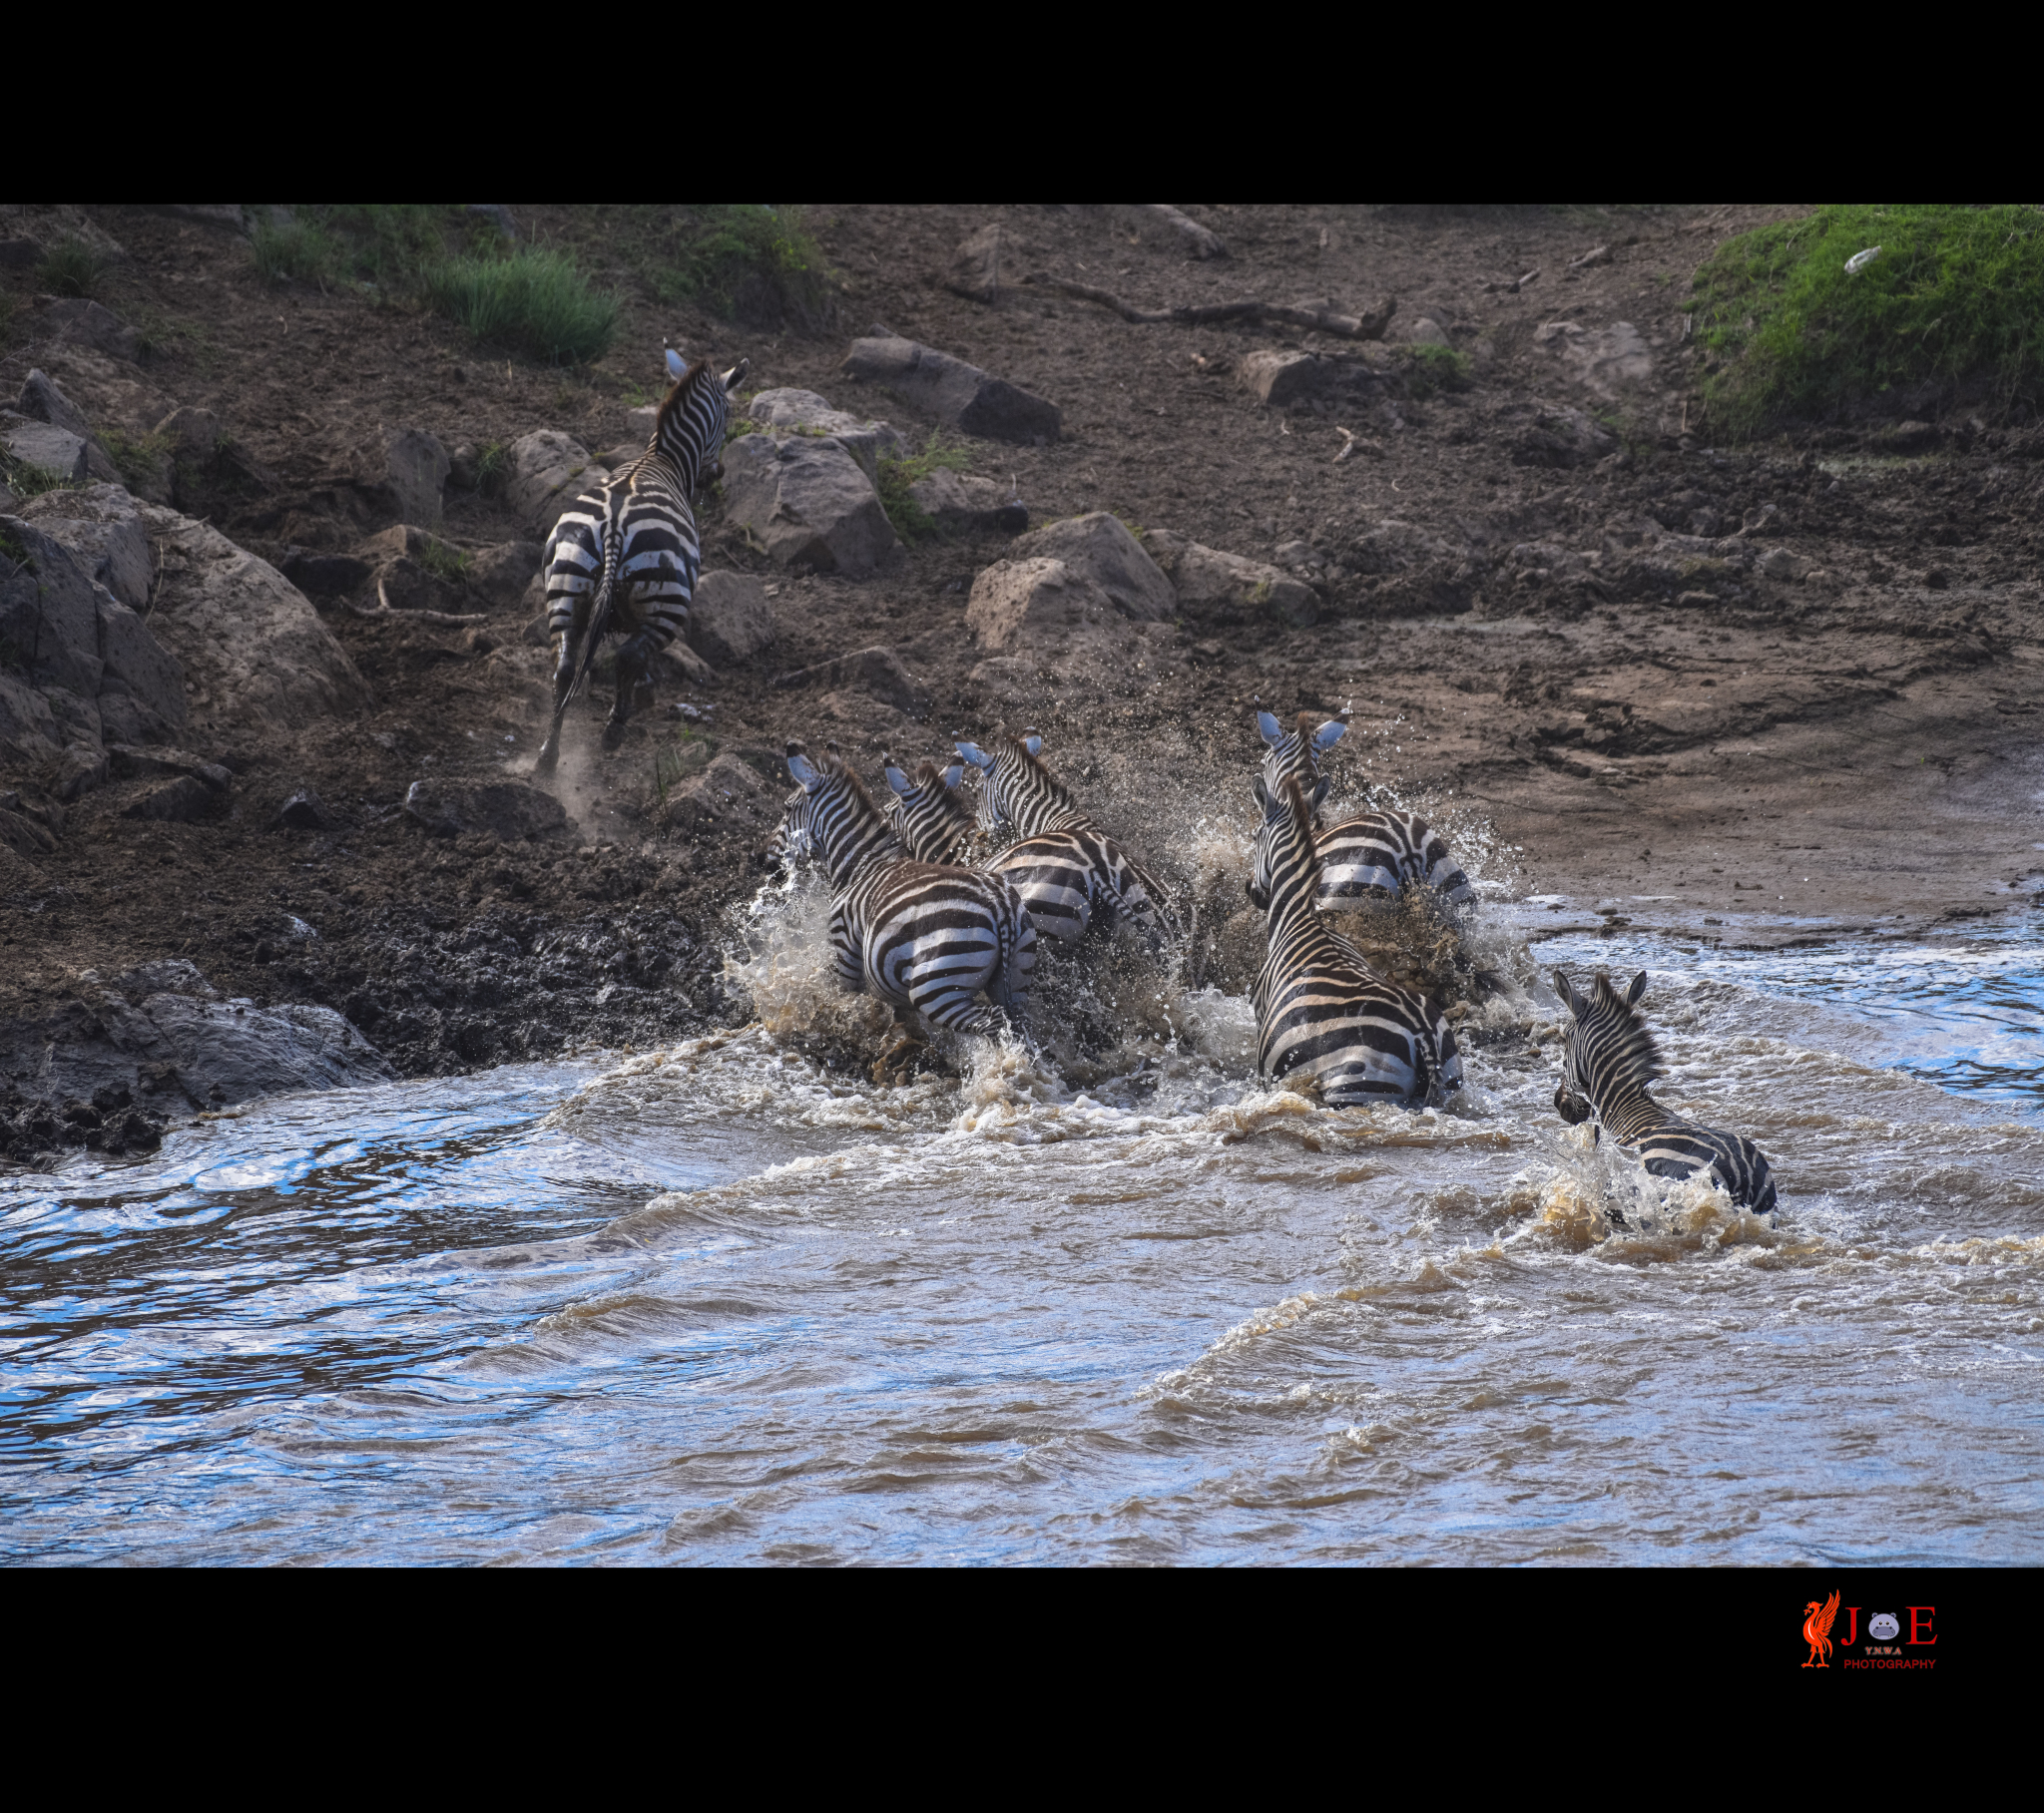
pixel 1677 681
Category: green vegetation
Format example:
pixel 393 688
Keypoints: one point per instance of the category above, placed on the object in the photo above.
pixel 535 301
pixel 12 547
pixel 1955 296
pixel 141 457
pixel 445 561
pixel 295 250
pixel 747 263
pixel 1431 368
pixel 26 480
pixel 911 521
pixel 493 467
pixel 71 268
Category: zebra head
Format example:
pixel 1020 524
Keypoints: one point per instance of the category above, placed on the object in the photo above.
pixel 1298 752
pixel 1608 1053
pixel 843 825
pixel 927 813
pixel 695 416
pixel 1015 788
pixel 1284 843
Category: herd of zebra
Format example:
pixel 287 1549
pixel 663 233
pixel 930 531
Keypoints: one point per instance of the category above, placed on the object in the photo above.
pixel 933 934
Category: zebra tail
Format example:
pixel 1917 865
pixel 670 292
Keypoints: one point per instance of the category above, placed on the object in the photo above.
pixel 600 606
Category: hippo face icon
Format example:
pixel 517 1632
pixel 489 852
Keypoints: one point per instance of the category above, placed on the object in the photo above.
pixel 1883 1625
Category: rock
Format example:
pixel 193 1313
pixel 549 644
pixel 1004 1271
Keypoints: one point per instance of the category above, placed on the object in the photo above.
pixel 1780 564
pixel 807 500
pixel 324 574
pixel 253 648
pixel 99 528
pixel 1228 587
pixel 49 614
pixel 875 670
pixel 79 769
pixel 806 413
pixel 1099 548
pixel 1037 601
pixel 549 470
pixel 178 803
pixel 193 436
pixel 131 760
pixel 1606 360
pixel 975 268
pixel 1561 437
pixel 500 574
pixel 19 255
pixel 403 472
pixel 959 504
pixel 305 811
pixel 498 216
pixel 42 401
pixel 142 685
pixel 29 733
pixel 56 451
pixel 507 810
pixel 730 618
pixel 968 399
pixel 725 792
pixel 1284 377
pixel 1421 330
pixel 90 325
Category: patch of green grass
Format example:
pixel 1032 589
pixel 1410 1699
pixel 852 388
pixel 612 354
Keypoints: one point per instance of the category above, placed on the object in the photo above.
pixel 292 250
pixel 388 245
pixel 445 561
pixel 534 301
pixel 1431 368
pixel 493 467
pixel 71 268
pixel 141 457
pixel 1955 296
pixel 15 550
pixel 27 481
pixel 911 521
pixel 747 262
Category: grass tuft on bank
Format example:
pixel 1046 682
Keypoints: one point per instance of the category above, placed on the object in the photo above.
pixel 1955 298
pixel 749 262
pixel 911 521
pixel 535 301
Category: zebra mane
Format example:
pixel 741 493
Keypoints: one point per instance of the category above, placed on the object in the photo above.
pixel 684 387
pixel 931 775
pixel 1627 1044
pixel 1056 787
pixel 832 763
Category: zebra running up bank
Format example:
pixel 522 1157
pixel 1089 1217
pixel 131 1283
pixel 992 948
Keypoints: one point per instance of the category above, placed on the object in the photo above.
pixel 928 815
pixel 1068 870
pixel 923 936
pixel 1319 1010
pixel 1609 1058
pixel 624 558
pixel 1372 854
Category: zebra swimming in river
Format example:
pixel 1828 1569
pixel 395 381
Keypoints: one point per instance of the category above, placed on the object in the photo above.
pixel 1609 1059
pixel 1372 854
pixel 624 558
pixel 1319 1009
pixel 936 824
pixel 1070 873
pixel 923 936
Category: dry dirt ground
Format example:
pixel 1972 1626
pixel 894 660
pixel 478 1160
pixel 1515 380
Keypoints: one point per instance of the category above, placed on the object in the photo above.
pixel 1850 734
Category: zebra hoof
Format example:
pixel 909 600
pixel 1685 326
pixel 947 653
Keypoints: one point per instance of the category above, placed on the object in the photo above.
pixel 613 734
pixel 549 754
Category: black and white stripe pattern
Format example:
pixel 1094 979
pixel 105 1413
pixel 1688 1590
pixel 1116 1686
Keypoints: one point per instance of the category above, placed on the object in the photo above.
pixel 1319 1010
pixel 1609 1059
pixel 923 936
pixel 1370 855
pixel 1070 873
pixel 927 813
pixel 624 558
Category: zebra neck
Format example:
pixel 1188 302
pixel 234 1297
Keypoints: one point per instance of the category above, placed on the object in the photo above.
pixel 1052 818
pixel 853 856
pixel 1627 1109
pixel 677 465
pixel 1292 891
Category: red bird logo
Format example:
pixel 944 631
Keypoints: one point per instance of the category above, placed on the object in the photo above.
pixel 1816 1630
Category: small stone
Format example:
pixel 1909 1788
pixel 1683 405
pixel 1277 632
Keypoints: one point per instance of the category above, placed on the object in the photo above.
pixel 1694 601
pixel 549 471
pixel 1098 548
pixel 730 618
pixel 976 270
pixel 962 395
pixel 92 325
pixel 305 810
pixel 507 810
pixel 193 435
pixel 182 801
pixel 876 671
pixel 324 574
pixel 1278 378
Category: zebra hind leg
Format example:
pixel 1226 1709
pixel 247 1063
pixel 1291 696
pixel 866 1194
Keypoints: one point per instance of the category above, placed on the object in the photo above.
pixel 634 691
pixel 564 680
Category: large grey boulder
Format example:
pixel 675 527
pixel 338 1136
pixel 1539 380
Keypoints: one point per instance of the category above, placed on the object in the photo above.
pixel 49 615
pixel 42 401
pixel 957 503
pixel 252 647
pixel 102 529
pixel 1039 602
pixel 807 499
pixel 508 810
pixel 730 618
pixel 1099 548
pixel 55 451
pixel 549 470
pixel 1214 584
pixel 728 793
pixel 805 413
pixel 403 472
pixel 962 395
pixel 1278 377
pixel 90 325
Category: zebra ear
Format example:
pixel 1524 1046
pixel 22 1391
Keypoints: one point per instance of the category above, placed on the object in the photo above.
pixel 1262 794
pixel 1272 730
pixel 675 365
pixel 1639 988
pixel 895 778
pixel 975 754
pixel 1320 792
pixel 805 771
pixel 1032 742
pixel 954 774
pixel 1567 991
pixel 736 375
pixel 1329 734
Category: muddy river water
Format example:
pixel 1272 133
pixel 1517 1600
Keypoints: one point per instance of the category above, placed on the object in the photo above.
pixel 716 1303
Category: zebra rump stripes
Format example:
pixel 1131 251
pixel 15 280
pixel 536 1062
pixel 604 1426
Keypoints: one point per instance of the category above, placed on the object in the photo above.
pixel 624 558
pixel 923 936
pixel 1372 853
pixel 1609 1059
pixel 1318 1009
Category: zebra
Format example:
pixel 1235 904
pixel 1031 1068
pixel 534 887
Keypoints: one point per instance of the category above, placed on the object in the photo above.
pixel 1608 1061
pixel 923 936
pixel 1372 854
pixel 927 813
pixel 624 558
pixel 1319 1010
pixel 1069 871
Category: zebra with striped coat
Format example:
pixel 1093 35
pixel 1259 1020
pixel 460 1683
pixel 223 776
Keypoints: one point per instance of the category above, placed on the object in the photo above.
pixel 624 558
pixel 1319 1010
pixel 922 936
pixel 1609 1058
pixel 928 815
pixel 1372 854
pixel 1071 874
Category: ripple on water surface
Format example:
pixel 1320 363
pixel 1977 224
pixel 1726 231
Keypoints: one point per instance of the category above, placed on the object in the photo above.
pixel 720 1303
